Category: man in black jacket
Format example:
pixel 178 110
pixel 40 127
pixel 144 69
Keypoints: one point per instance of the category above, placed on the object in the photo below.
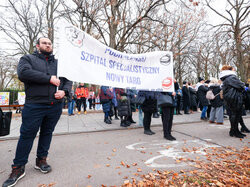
pixel 42 109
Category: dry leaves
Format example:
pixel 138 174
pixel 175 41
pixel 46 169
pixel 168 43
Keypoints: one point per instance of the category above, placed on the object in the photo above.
pixel 222 167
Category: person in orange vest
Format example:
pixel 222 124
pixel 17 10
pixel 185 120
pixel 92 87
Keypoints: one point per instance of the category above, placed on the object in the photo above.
pixel 81 94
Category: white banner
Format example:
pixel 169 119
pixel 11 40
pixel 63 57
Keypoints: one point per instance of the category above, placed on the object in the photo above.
pixel 84 59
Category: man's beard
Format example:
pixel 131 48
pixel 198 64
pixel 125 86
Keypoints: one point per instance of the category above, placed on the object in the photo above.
pixel 46 52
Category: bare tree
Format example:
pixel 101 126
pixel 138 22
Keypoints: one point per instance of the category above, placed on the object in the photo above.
pixel 113 21
pixel 7 71
pixel 22 22
pixel 52 8
pixel 237 23
pixel 179 35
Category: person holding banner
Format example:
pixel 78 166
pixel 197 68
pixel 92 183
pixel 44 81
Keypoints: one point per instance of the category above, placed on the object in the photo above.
pixel 42 109
pixel 167 117
pixel 149 106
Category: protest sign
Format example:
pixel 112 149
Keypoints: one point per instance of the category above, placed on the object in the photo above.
pixel 82 58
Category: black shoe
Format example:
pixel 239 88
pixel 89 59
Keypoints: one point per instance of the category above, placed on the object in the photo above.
pixel 169 138
pixel 156 115
pixel 173 138
pixel 17 173
pixel 186 113
pixel 107 121
pixel 179 113
pixel 116 118
pixel 132 121
pixel 42 165
pixel 236 134
pixel 152 132
pixel 148 132
pixel 124 124
pixel 205 119
pixel 245 129
pixel 128 123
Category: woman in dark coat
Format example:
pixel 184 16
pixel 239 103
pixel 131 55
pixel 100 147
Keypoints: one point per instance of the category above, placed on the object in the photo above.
pixel 149 106
pixel 167 118
pixel 193 98
pixel 233 90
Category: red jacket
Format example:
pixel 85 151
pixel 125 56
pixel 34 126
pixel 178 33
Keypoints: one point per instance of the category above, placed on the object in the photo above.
pixel 82 92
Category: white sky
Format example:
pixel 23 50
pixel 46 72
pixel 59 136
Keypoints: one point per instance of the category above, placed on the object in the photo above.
pixel 211 17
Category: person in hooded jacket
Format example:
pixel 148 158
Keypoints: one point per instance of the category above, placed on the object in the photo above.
pixel 233 90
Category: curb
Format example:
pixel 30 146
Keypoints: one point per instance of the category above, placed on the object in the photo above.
pixel 113 129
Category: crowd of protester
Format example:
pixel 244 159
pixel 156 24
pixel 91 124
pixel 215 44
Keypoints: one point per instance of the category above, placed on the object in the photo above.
pixel 206 97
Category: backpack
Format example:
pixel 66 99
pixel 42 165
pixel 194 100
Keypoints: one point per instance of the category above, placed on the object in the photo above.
pixel 210 95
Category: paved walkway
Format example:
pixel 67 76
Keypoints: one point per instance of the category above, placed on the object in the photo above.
pixel 93 121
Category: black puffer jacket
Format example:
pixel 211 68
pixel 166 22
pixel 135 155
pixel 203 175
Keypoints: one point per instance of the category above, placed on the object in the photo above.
pixel 201 93
pixel 217 101
pixel 35 71
pixel 123 102
pixel 233 90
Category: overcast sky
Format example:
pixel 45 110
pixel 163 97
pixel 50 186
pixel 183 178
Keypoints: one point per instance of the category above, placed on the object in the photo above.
pixel 211 17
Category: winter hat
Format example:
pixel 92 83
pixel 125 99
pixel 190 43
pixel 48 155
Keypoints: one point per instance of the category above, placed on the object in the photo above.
pixel 207 81
pixel 200 79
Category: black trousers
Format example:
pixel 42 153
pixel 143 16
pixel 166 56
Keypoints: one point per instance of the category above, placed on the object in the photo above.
pixel 167 120
pixel 90 103
pixel 235 117
pixel 35 117
pixel 208 111
pixel 147 120
pixel 178 107
pixel 80 102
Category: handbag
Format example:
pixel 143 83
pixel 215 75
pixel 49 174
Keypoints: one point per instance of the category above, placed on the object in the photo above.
pixel 210 95
pixel 165 100
pixel 5 120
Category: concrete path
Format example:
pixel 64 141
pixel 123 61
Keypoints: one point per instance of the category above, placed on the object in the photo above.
pixel 93 121
pixel 109 157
